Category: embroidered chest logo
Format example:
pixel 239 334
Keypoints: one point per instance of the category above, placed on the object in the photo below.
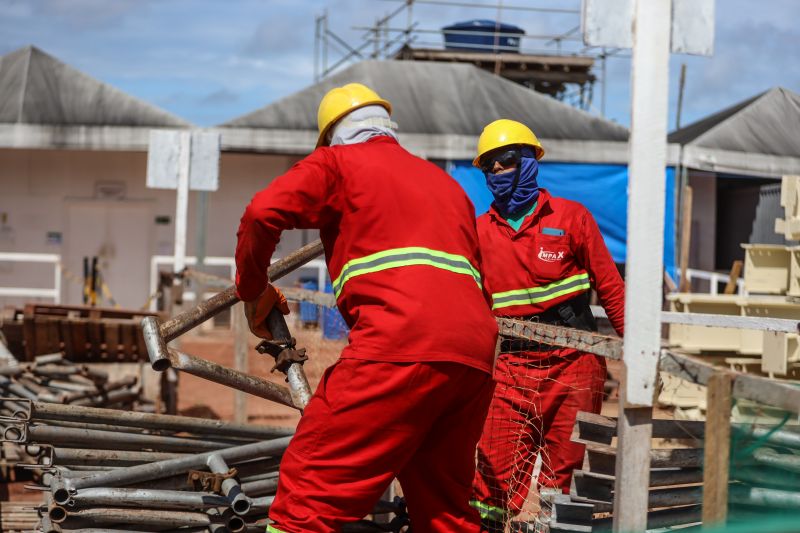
pixel 550 257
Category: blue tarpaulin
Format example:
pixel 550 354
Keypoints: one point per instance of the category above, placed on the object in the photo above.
pixel 601 188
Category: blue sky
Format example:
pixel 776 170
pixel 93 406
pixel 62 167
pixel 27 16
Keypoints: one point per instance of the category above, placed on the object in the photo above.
pixel 212 60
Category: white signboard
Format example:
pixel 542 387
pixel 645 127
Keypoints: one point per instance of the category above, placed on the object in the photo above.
pixel 204 162
pixel 693 27
pixel 609 23
pixel 164 159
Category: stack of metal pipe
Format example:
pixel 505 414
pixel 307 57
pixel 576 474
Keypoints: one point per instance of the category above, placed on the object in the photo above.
pixel 765 470
pixel 106 469
pixel 112 470
pixel 51 378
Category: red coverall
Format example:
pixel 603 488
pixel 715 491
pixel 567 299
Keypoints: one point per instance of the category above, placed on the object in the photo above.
pixel 557 254
pixel 409 395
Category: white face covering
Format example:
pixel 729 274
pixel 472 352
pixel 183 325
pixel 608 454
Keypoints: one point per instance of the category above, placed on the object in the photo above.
pixel 363 124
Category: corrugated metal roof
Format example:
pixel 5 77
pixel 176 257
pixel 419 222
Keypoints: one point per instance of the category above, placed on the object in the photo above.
pixel 38 89
pixel 768 123
pixel 436 98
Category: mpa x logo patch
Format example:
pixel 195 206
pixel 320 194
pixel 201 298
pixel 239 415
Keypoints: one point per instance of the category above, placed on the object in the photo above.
pixel 550 257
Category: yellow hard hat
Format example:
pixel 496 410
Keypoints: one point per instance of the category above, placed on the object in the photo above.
pixel 339 101
pixel 506 132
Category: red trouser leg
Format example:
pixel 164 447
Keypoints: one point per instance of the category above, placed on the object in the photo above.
pixel 576 386
pixel 364 426
pixel 536 401
pixel 507 448
pixel 437 480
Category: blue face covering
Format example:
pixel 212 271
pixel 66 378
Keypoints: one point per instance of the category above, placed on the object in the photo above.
pixel 511 199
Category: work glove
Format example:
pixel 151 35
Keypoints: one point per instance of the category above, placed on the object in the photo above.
pixel 256 311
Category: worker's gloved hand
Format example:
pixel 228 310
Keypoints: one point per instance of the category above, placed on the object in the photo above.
pixel 257 310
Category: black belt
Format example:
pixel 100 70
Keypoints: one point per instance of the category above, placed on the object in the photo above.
pixel 573 313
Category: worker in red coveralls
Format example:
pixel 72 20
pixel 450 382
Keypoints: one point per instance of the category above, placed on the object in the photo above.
pixel 541 256
pixel 410 392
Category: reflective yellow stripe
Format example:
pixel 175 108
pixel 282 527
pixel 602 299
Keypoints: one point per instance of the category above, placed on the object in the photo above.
pixel 271 529
pixel 400 257
pixel 488 511
pixel 533 295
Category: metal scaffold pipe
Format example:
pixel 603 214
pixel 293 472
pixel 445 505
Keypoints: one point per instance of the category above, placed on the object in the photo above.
pixel 89 438
pixel 142 517
pixel 190 319
pixel 160 469
pixel 230 378
pixel 146 498
pixel 239 501
pixel 47 411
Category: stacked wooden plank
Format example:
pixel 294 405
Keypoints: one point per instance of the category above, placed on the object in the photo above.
pixel 18 516
pixel 676 477
pixel 83 334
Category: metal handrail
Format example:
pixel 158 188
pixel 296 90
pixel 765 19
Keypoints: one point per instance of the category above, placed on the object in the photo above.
pixel 714 279
pixel 34 292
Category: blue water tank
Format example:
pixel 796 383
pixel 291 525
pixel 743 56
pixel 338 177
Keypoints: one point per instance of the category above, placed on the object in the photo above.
pixel 479 36
pixel 333 324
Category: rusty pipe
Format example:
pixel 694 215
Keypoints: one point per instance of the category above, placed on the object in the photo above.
pixel 229 377
pixel 180 324
pixel 129 381
pixel 73 457
pixel 89 438
pixel 146 498
pixel 142 517
pixel 46 411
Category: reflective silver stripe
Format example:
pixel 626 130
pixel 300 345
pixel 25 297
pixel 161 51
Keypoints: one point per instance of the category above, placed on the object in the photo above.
pixel 400 257
pixel 543 293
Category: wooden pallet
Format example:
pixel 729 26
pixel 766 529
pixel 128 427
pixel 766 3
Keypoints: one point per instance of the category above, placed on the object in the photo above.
pixel 18 517
pixel 83 334
pixel 676 494
pixel 676 477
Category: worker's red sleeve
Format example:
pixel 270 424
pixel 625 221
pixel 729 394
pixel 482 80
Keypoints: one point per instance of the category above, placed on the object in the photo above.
pixel 603 274
pixel 301 198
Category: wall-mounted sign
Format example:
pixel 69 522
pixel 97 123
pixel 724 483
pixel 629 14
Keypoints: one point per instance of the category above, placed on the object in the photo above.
pixel 166 157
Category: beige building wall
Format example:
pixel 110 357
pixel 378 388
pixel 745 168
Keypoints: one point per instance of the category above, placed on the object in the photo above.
pixel 94 203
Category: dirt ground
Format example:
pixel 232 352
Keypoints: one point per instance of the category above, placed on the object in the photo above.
pixel 198 397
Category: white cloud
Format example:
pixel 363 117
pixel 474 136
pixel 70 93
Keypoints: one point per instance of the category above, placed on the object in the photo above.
pixel 261 50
